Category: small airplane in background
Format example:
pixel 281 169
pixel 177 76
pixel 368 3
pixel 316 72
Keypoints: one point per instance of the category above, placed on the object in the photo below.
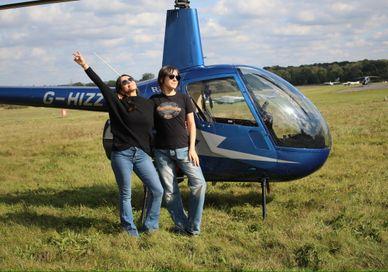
pixel 331 83
pixel 349 83
pixel 260 128
pixel 365 80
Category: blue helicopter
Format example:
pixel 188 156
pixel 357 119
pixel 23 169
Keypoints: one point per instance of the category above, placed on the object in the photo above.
pixel 252 125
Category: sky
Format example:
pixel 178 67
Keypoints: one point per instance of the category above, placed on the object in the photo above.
pixel 36 43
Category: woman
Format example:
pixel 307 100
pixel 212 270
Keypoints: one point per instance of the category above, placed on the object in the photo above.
pixel 175 146
pixel 131 118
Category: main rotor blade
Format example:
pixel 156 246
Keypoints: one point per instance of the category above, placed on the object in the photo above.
pixel 32 3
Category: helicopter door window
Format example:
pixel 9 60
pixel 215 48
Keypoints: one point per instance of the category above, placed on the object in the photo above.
pixel 220 100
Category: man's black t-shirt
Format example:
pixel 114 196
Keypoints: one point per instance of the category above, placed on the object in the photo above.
pixel 132 118
pixel 170 120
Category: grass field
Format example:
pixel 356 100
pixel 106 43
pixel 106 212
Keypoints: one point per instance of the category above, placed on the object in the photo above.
pixel 58 200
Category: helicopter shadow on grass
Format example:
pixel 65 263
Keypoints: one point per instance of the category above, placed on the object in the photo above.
pixel 97 196
pixel 222 198
pixel 93 197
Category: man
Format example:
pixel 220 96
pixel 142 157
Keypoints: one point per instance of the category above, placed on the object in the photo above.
pixel 175 146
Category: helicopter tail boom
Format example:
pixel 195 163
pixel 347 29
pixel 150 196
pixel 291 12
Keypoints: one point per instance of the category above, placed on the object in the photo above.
pixel 79 98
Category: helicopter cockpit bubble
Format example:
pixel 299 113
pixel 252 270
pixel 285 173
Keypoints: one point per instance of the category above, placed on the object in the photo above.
pixel 291 119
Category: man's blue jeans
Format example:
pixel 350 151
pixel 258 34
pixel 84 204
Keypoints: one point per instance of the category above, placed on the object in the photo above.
pixel 166 161
pixel 122 164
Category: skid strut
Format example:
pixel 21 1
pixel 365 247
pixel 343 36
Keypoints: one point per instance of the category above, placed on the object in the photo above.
pixel 264 188
pixel 144 209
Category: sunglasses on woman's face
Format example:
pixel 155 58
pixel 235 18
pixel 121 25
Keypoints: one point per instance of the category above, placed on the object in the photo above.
pixel 127 81
pixel 178 77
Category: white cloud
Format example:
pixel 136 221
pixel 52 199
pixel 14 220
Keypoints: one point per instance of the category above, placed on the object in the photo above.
pixel 112 43
pixel 247 7
pixel 143 38
pixel 213 29
pixel 292 29
pixel 341 7
pixel 145 19
pixel 306 16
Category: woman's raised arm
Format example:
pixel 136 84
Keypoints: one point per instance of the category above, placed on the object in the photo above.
pixel 109 97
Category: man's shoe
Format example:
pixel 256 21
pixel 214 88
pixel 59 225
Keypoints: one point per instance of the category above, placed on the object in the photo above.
pixel 133 232
pixel 192 233
pixel 147 231
pixel 179 230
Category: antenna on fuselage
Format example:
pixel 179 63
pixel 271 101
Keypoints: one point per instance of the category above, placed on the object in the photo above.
pixel 104 61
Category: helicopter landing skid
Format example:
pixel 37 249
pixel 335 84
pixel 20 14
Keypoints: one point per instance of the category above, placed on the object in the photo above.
pixel 265 188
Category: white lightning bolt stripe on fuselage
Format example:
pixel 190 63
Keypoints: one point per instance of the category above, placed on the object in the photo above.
pixel 213 141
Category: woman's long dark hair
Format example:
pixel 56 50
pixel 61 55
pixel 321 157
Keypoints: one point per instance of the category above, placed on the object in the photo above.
pixel 165 71
pixel 128 102
pixel 118 83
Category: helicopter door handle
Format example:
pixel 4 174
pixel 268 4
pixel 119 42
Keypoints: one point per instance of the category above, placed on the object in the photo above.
pixel 257 138
pixel 208 125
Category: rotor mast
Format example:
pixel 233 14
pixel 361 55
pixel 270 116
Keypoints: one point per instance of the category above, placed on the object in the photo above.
pixel 182 40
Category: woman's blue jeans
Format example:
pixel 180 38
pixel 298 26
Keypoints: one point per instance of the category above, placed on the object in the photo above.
pixel 166 161
pixel 122 164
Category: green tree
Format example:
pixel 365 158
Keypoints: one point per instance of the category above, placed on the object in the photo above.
pixel 353 71
pixel 147 76
pixel 322 75
pixel 321 72
pixel 335 71
pixel 111 83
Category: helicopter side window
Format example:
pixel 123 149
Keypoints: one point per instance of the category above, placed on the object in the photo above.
pixel 220 100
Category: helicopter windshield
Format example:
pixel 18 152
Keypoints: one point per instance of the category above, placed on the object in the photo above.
pixel 292 120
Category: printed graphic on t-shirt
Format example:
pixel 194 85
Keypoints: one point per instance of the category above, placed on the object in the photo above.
pixel 168 110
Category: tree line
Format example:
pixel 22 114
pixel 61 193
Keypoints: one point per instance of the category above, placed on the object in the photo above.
pixel 319 73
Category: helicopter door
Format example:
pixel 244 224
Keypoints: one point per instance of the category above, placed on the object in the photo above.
pixel 226 126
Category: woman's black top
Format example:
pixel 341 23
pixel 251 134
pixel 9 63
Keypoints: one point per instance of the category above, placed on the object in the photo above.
pixel 132 118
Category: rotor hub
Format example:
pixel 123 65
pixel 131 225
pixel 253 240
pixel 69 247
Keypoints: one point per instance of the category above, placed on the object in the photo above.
pixel 182 4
